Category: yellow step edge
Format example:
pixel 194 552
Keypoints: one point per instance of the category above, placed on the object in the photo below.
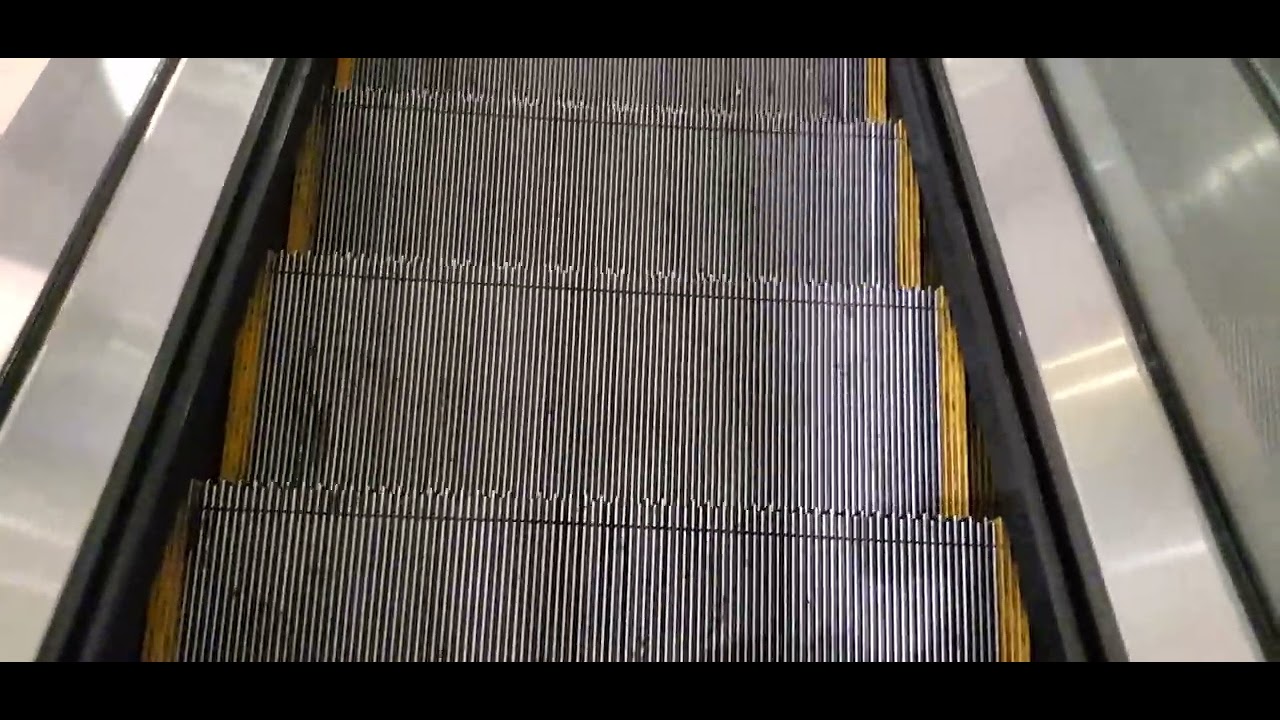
pixel 164 606
pixel 982 488
pixel 910 259
pixel 306 188
pixel 345 73
pixel 303 210
pixel 877 99
pixel 1013 637
pixel 953 415
pixel 242 404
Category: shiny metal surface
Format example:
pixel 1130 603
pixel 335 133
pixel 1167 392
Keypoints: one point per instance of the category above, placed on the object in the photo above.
pixel 60 119
pixel 1192 203
pixel 61 438
pixel 576 364
pixel 1161 568
pixel 434 327
pixel 767 171
pixel 323 574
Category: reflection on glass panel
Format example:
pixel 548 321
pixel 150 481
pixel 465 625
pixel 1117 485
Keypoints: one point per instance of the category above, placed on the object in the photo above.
pixel 1183 159
pixel 60 121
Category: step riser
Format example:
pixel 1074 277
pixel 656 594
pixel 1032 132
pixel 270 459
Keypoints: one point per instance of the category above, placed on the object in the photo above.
pixel 308 575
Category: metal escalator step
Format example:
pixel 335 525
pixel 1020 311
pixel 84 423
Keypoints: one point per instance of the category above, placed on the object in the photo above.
pixel 296 574
pixel 420 375
pixel 493 181
pixel 819 88
pixel 597 360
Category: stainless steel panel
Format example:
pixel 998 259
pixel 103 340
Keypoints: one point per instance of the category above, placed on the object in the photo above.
pixel 62 436
pixel 53 147
pixel 1192 202
pixel 1160 566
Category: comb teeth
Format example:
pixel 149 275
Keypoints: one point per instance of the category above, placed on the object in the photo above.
pixel 818 88
pixel 293 574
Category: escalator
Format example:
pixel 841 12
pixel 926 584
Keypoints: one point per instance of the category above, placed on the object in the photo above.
pixel 596 360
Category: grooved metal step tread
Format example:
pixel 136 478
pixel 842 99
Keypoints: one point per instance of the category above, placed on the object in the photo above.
pixel 596 360
pixel 837 88
pixel 822 397
pixel 416 179
pixel 296 574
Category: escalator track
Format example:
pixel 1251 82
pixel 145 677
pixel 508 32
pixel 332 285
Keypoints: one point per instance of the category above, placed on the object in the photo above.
pixel 597 360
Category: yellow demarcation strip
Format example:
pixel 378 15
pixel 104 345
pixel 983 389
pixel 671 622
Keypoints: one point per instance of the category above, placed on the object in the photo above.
pixel 1014 631
pixel 345 73
pixel 910 255
pixel 982 487
pixel 953 416
pixel 306 189
pixel 244 382
pixel 164 607
pixel 877 89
